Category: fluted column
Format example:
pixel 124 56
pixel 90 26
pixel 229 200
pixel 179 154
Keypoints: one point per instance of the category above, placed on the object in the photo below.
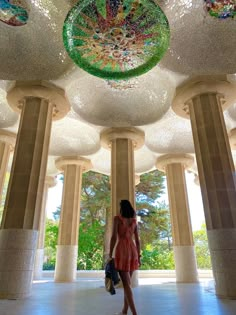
pixel 122 142
pixel 174 166
pixel 7 143
pixel 67 248
pixel 204 101
pixel 18 237
pixel 50 181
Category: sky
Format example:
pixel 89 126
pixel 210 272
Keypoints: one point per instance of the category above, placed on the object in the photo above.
pixel 194 199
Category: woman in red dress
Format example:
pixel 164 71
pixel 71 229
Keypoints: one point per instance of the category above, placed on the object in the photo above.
pixel 127 251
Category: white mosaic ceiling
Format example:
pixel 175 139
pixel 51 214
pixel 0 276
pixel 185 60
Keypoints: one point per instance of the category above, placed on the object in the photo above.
pixel 35 51
pixel 199 45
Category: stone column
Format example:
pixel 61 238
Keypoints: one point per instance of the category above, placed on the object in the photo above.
pixel 7 143
pixel 67 248
pixel 122 142
pixel 203 101
pixel 174 166
pixel 50 181
pixel 20 223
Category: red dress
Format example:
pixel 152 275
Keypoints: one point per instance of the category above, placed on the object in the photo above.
pixel 126 255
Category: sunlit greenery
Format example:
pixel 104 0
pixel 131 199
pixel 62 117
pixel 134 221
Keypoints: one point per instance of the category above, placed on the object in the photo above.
pixel 202 249
pixel 154 226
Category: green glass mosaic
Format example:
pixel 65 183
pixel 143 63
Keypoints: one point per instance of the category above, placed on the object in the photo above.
pixel 116 39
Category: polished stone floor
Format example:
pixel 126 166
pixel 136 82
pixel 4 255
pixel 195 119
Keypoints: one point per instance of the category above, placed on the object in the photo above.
pixel 88 297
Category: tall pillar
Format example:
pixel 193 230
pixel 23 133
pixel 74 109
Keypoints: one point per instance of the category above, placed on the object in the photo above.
pixel 174 166
pixel 203 101
pixel 122 142
pixel 67 248
pixel 39 103
pixel 7 143
pixel 50 181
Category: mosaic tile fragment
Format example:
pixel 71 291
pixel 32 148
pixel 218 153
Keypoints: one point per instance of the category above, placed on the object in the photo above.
pixel 13 12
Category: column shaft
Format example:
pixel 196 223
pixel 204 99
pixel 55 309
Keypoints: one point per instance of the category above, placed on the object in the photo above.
pixel 18 236
pixel 38 264
pixel 122 173
pixel 29 166
pixel 217 179
pixel 180 217
pixel 67 249
pixel 123 179
pixel 185 260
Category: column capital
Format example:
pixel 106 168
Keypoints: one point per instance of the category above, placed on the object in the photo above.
pixel 232 138
pixel 8 137
pixel 224 91
pixel 136 135
pixel 185 159
pixel 62 162
pixel 41 89
pixel 50 181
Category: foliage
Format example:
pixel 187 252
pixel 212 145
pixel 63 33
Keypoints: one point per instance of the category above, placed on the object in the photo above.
pixel 95 203
pixel 157 257
pixel 155 226
pixel 150 188
pixel 90 255
pixel 51 236
pixel 95 197
pixel 202 249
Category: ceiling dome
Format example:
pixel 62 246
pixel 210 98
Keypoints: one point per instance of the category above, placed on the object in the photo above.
pixel 200 43
pixel 35 51
pixel 136 102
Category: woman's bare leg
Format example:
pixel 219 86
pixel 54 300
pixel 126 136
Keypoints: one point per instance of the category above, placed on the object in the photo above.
pixel 128 294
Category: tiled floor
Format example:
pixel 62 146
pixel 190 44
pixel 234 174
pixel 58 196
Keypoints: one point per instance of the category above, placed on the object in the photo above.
pixel 88 297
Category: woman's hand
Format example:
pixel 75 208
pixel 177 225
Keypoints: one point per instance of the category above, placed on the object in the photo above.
pixel 139 260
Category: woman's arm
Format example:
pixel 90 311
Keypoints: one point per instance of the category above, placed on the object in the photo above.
pixel 114 236
pixel 137 242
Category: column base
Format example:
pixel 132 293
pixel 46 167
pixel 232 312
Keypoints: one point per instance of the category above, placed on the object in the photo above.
pixel 185 264
pixel 38 264
pixel 17 253
pixel 66 263
pixel 222 245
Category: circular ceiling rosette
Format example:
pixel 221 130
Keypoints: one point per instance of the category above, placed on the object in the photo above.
pixel 116 39
pixel 13 12
pixel 221 9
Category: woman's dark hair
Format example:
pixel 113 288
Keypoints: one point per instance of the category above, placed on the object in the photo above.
pixel 126 209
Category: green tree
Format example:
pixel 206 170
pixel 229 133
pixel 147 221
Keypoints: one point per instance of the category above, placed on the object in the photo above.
pixel 95 197
pixel 150 188
pixel 202 249
pixel 95 205
pixel 155 227
pixel 51 236
pixel 157 257
pixel 90 251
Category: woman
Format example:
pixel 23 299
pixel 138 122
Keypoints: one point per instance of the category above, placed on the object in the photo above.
pixel 127 255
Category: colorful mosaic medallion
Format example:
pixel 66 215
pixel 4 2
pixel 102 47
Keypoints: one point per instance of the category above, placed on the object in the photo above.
pixel 13 12
pixel 221 8
pixel 116 39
